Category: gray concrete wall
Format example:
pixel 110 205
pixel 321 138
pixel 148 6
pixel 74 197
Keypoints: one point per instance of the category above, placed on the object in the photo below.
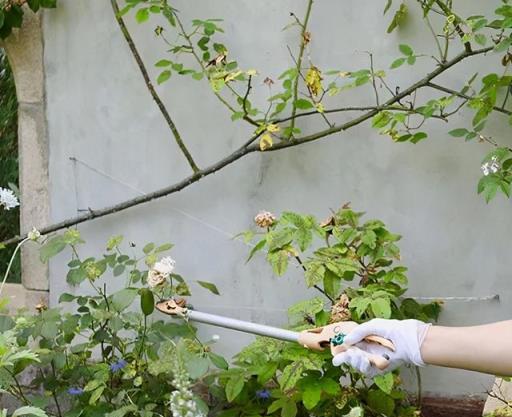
pixel 100 112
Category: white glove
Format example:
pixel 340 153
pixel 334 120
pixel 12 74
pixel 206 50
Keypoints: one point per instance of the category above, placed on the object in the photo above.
pixel 406 335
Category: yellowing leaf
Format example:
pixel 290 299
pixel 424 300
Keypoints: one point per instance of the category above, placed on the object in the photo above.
pixel 265 142
pixel 272 128
pixel 252 72
pixel 320 107
pixel 314 80
pixel 231 76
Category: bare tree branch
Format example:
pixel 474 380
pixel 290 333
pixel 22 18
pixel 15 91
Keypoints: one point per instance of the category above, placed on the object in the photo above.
pixel 151 89
pixel 247 148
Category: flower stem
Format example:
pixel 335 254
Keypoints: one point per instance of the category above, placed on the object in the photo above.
pixel 11 262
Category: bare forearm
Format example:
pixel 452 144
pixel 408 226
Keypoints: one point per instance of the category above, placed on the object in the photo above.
pixel 486 348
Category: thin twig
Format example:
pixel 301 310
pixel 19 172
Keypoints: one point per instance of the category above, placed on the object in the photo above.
pixel 374 84
pixel 151 89
pixel 304 26
pixel 465 96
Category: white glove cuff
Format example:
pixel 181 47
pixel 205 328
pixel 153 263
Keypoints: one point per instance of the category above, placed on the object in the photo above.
pixel 422 330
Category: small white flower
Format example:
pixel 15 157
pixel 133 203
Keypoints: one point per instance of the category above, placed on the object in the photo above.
pixel 491 167
pixel 165 266
pixel 8 198
pixel 155 278
pixel 215 338
pixel 34 234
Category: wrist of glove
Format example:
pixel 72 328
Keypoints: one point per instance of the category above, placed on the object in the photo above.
pixel 406 335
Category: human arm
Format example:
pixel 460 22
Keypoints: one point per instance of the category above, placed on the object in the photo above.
pixel 486 348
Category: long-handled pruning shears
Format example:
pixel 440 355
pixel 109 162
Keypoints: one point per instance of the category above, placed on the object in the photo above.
pixel 316 339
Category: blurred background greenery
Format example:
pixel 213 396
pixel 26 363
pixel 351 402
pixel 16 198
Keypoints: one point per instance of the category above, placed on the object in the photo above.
pixel 9 220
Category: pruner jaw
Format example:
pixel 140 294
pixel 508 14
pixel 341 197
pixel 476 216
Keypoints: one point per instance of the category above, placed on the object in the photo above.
pixel 171 308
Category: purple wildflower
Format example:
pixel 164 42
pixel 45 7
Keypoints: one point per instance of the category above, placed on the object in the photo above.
pixel 263 394
pixel 117 366
pixel 75 391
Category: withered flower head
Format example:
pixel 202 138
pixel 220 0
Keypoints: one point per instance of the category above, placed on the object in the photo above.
pixel 340 310
pixel 264 219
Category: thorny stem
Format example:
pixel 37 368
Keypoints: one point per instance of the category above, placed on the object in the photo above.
pixel 304 26
pixel 151 89
pixel 54 394
pixel 316 287
pixel 250 147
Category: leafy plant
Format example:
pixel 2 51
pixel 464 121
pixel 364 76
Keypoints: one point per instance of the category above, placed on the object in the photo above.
pixel 351 264
pixel 9 220
pixel 101 353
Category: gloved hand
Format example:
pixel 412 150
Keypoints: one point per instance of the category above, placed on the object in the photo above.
pixel 406 335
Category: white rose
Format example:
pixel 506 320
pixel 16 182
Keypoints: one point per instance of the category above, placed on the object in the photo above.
pixel 165 266
pixel 155 278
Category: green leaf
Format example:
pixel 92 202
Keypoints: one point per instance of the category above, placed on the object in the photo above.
pixel 148 248
pixel 209 286
pixel 289 408
pixel 279 238
pixel 218 360
pixel 29 411
pixel 418 137
pixel 332 283
pixel 121 300
pixel 66 298
pixel 311 395
pixel 398 18
pixel 259 246
pixel 480 39
pixel 369 238
pixel 163 77
pixel 458 132
pixel 385 382
pixel 380 402
pixel 76 276
pixel 397 63
pixel 303 104
pixel 49 330
pixel 197 366
pixel 163 63
pixel 51 248
pixel 164 247
pixel 147 301
pixel 381 308
pixel 142 15
pixel 411 60
pixel 122 411
pixel 279 261
pixel 49 4
pixel 314 273
pixel 96 394
pixel 118 270
pixel 405 49
pixel 234 387
pixel 266 371
pixel 388 5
